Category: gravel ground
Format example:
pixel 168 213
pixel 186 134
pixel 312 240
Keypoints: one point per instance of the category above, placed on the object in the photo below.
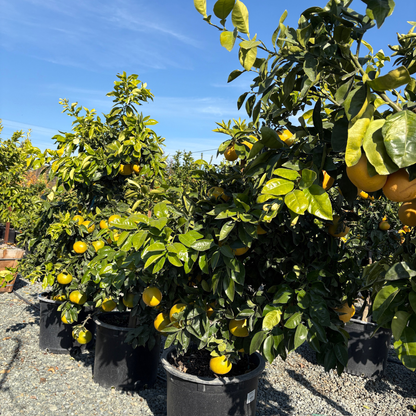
pixel 33 382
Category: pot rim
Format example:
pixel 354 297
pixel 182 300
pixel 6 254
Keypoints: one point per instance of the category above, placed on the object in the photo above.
pixel 208 380
pixel 108 326
pixel 42 297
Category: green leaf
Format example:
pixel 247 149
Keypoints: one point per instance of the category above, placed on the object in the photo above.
pixel 239 17
pixel 341 352
pixel 227 40
pixel 153 259
pixel 222 8
pixel 375 150
pixel 152 248
pixel 356 103
pixel 412 300
pixel 300 335
pixel 202 245
pixel 268 349
pixel 286 173
pixel 296 202
pixel 383 300
pixel 310 67
pixel 400 271
pixel 399 323
pixel 356 136
pixel 160 210
pixel 277 187
pixel 271 319
pixel 226 229
pixel 294 320
pixel 257 341
pixel 201 6
pixel 270 138
pixel 308 178
pixel 406 348
pixel 392 80
pixel 233 75
pixel 378 10
pixel 319 202
pixel 247 57
pixel 399 132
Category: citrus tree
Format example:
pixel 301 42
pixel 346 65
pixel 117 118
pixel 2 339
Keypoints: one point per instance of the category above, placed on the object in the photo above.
pixel 356 125
pixel 105 167
pixel 18 199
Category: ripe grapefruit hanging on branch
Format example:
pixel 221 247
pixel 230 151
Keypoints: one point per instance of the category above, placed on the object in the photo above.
pixel 358 175
pixel 398 188
pixel 407 213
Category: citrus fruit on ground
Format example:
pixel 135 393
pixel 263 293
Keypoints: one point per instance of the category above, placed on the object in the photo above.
pixel 328 181
pixel 108 305
pixel 80 247
pixel 64 279
pixel 220 365
pixel 384 226
pixel 286 136
pixel 407 213
pixel 178 308
pixel 346 312
pixel 98 244
pixel 125 170
pixel 128 300
pixel 216 192
pixel 113 217
pixel 77 297
pixel 260 230
pixel 161 321
pixel 152 296
pixel 332 229
pixel 398 188
pixel 230 153
pixel 137 168
pixel 90 228
pixel 240 251
pixel 238 327
pixel 84 337
pixel 78 219
pixel 103 224
pixel 65 321
pixel 358 175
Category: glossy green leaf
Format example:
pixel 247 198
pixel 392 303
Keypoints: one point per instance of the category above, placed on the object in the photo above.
pixel 379 10
pixel 271 319
pixel 319 202
pixel 296 202
pixel 227 40
pixel 300 335
pixel 294 320
pixel 406 348
pixel 392 80
pixel 412 300
pixel 153 259
pixel 399 132
pixel 222 8
pixel 383 300
pixel 356 103
pixel 399 322
pixel 152 248
pixel 202 245
pixel 375 149
pixel 341 352
pixel 257 341
pixel 247 57
pixel 239 17
pixel 270 138
pixel 356 136
pixel 277 187
pixel 308 178
pixel 226 229
pixel 268 349
pixel 286 173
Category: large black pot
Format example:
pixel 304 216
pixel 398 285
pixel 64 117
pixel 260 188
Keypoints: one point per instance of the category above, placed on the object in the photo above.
pixel 367 355
pixel 55 336
pixel 202 396
pixel 117 364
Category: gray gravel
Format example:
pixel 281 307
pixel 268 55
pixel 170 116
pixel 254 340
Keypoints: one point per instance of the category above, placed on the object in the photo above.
pixel 33 382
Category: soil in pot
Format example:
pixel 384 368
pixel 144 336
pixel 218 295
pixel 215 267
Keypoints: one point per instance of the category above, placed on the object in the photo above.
pixel 189 394
pixel 117 364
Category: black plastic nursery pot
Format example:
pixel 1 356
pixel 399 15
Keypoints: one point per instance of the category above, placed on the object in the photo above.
pixel 202 396
pixel 55 336
pixel 367 355
pixel 119 365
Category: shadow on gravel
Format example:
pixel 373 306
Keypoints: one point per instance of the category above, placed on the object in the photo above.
pixel 305 383
pixel 267 395
pixel 9 365
pixel 397 375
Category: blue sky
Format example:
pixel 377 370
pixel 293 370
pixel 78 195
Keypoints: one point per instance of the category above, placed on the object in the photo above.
pixel 52 49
